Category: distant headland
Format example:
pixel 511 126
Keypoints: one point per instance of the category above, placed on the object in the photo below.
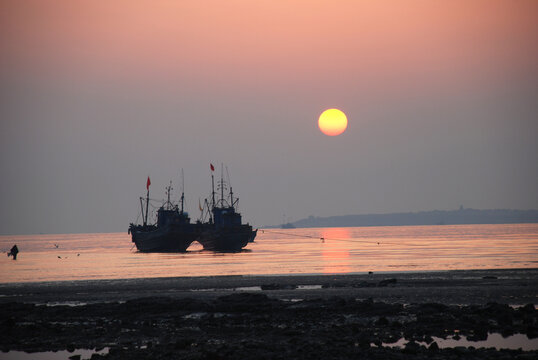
pixel 435 217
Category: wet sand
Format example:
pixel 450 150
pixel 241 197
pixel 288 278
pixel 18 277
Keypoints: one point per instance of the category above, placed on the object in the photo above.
pixel 300 316
pixel 511 286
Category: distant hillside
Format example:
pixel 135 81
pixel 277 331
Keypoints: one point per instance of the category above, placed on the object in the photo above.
pixel 435 217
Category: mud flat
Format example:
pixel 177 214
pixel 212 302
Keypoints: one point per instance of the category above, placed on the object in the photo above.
pixel 369 316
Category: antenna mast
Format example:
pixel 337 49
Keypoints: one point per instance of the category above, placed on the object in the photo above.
pixel 212 190
pixel 182 190
pixel 142 207
pixel 147 206
pixel 221 185
pixel 168 189
pixel 231 191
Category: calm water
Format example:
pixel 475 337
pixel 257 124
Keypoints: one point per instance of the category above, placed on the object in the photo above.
pixel 278 251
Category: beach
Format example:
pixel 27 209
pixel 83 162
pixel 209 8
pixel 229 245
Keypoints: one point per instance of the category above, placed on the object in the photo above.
pixel 392 315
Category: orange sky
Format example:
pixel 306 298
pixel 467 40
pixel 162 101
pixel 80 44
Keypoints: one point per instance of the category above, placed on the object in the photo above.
pixel 273 41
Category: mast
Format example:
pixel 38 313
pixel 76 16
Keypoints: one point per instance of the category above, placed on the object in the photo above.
pixel 148 183
pixel 147 206
pixel 212 190
pixel 168 190
pixel 182 190
pixel 142 206
pixel 206 206
pixel 231 191
pixel 221 187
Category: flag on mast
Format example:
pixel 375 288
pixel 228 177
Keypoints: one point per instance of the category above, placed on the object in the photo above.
pixel 200 205
pixel 148 183
pixel 212 167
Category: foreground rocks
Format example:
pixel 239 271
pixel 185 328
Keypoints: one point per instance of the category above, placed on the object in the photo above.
pixel 247 325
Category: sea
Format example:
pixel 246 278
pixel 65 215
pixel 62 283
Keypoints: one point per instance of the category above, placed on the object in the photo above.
pixel 343 250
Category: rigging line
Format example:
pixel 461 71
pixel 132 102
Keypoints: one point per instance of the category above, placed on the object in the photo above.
pixel 364 241
pixel 333 239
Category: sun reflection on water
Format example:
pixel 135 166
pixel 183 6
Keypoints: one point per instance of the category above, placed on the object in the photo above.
pixel 335 252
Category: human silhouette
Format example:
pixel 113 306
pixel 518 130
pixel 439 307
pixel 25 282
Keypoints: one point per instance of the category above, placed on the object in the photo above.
pixel 13 252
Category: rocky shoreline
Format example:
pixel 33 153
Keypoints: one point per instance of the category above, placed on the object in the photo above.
pixel 311 317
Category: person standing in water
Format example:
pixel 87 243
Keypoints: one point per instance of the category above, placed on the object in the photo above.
pixel 13 252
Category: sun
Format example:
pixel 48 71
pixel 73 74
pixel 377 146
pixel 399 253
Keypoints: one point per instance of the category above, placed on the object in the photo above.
pixel 332 122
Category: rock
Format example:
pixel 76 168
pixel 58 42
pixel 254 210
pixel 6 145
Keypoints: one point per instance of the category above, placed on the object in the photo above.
pixel 9 322
pixel 527 309
pixel 432 309
pixel 242 298
pixel 183 343
pixel 531 356
pixel 114 351
pixel 387 282
pixel 275 286
pixel 507 331
pixel 411 347
pixel 364 340
pixel 505 319
pixel 245 302
pixel 392 338
pixel 433 347
pixel 461 350
pixel 396 325
pixel 378 342
pixel 364 344
pixel 270 287
pixel 382 321
pixel 428 339
pixel 532 332
pixel 479 335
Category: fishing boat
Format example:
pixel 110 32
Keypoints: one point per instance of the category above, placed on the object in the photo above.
pixel 172 232
pixel 224 231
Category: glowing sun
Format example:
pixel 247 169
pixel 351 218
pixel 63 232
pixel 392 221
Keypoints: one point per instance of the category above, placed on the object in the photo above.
pixel 332 122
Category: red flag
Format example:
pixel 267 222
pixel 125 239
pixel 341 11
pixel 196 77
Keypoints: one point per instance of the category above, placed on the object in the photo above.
pixel 212 167
pixel 148 183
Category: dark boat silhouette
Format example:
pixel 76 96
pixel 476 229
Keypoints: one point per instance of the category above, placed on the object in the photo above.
pixel 224 231
pixel 174 232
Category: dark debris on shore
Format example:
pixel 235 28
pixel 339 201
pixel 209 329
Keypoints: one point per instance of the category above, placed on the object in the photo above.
pixel 247 325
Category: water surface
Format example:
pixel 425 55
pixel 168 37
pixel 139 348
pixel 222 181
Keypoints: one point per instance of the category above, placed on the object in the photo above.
pixel 278 251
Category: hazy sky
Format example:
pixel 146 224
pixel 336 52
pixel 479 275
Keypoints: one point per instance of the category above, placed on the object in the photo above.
pixel 441 97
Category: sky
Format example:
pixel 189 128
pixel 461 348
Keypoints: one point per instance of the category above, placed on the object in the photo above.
pixel 95 96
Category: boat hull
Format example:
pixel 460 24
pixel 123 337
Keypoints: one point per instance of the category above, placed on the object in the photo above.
pixel 233 238
pixel 167 239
